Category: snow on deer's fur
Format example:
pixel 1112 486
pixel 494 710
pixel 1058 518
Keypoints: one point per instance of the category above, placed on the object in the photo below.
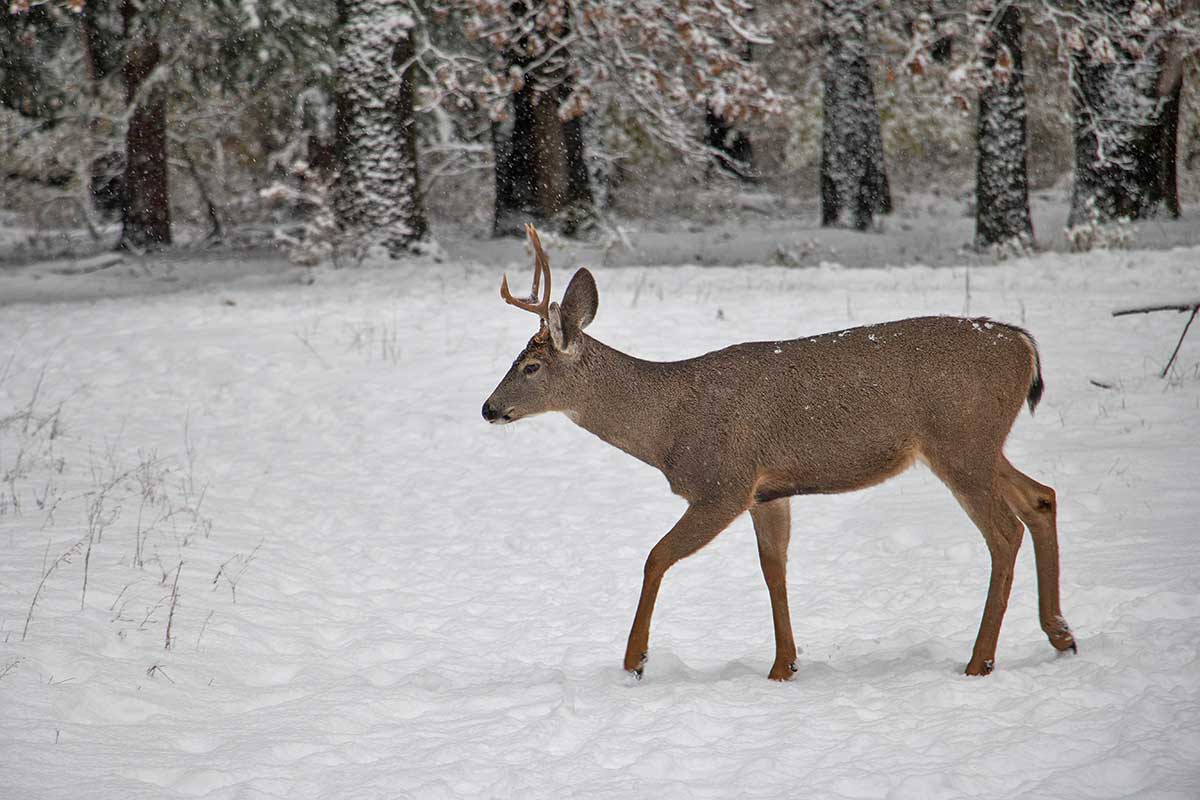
pixel 746 427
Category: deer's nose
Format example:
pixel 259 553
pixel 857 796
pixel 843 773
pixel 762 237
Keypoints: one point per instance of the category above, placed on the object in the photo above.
pixel 489 413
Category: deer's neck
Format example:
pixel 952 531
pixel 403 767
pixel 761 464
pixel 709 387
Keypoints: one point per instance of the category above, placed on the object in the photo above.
pixel 620 399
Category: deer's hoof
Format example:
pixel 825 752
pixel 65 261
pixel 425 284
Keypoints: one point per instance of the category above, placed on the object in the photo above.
pixel 982 667
pixel 636 668
pixel 1060 635
pixel 783 672
pixel 1064 644
pixel 1062 640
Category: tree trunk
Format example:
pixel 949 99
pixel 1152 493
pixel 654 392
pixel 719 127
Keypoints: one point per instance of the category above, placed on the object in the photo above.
pixel 1168 182
pixel 1125 131
pixel 1001 183
pixel 512 142
pixel 541 170
pixel 854 184
pixel 377 191
pixel 549 150
pixel 580 199
pixel 540 160
pixel 145 210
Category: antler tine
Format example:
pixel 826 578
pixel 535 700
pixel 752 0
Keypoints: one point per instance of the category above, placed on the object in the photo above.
pixel 541 264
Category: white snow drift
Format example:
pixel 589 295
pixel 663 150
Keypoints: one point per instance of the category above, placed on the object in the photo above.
pixel 372 593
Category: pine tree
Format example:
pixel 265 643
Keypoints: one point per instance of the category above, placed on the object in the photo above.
pixel 1001 182
pixel 854 183
pixel 377 194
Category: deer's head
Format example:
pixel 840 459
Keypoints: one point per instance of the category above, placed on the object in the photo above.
pixel 545 375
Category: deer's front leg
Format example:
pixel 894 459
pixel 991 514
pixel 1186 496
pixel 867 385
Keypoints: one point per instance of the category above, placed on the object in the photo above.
pixel 699 525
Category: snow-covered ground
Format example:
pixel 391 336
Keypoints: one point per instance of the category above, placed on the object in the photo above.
pixel 372 593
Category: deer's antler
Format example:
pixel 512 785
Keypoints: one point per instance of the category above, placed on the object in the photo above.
pixel 541 264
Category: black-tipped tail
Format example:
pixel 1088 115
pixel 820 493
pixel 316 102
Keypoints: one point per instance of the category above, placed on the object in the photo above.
pixel 1036 388
pixel 1037 385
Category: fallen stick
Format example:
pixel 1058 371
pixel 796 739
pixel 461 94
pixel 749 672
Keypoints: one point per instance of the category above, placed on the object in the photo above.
pixel 1188 306
pixel 1193 306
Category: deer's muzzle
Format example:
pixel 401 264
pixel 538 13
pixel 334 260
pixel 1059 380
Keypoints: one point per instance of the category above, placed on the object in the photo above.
pixel 493 415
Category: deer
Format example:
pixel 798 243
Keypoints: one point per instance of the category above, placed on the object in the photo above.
pixel 747 427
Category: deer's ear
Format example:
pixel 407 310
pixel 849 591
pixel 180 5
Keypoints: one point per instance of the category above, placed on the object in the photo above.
pixel 579 302
pixel 577 309
pixel 554 321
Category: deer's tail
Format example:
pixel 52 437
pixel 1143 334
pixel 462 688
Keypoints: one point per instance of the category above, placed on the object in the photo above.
pixel 1036 385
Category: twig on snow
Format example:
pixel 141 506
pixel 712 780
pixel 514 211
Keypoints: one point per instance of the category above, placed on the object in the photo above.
pixel 1193 306
pixel 174 599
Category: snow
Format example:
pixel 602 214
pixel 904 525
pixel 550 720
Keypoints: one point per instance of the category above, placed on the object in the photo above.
pixel 433 607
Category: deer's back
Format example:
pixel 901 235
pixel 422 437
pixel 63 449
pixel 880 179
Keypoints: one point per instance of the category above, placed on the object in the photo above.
pixel 845 409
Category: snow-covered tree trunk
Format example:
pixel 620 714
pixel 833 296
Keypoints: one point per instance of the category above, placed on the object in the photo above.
pixel 1001 182
pixel 377 194
pixel 146 208
pixel 1123 119
pixel 854 184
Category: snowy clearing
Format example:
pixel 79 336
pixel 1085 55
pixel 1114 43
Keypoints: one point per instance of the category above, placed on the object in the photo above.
pixel 373 593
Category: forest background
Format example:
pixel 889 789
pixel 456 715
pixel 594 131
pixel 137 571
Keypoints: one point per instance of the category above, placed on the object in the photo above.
pixel 333 128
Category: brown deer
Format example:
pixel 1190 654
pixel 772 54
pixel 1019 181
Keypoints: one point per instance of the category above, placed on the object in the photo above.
pixel 747 427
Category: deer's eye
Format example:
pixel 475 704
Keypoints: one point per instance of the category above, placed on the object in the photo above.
pixel 531 368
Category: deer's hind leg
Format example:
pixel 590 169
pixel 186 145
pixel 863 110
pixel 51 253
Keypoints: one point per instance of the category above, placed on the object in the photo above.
pixel 773 528
pixel 975 486
pixel 1003 533
pixel 1037 507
